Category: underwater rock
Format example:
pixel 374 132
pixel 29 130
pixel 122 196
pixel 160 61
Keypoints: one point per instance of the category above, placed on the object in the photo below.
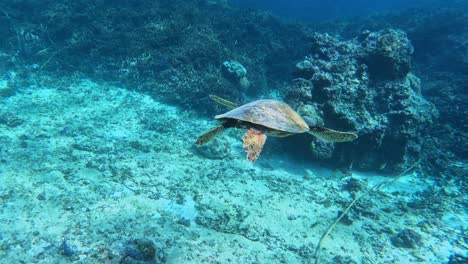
pixel 233 69
pixel 142 250
pixel 387 53
pixel 252 232
pixel 66 249
pixel 321 150
pixel 184 221
pixel 7 88
pixel 352 185
pixel 390 116
pixel 218 149
pixel 300 90
pixel 345 220
pixel 458 259
pixel 138 145
pixel 343 260
pixel 237 73
pixel 306 251
pixel 305 68
pixel 439 40
pixel 406 239
pixel 10 120
pixel 223 219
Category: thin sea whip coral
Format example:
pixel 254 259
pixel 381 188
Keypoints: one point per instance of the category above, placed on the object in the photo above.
pixel 375 188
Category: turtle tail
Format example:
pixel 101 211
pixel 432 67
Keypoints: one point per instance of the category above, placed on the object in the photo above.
pixel 331 135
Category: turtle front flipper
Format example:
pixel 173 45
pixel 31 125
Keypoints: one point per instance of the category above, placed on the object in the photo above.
pixel 210 134
pixel 331 135
pixel 253 143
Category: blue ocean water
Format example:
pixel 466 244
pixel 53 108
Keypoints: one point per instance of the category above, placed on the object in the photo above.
pixel 240 131
pixel 316 10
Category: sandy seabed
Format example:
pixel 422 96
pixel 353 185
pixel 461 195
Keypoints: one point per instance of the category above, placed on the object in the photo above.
pixel 92 173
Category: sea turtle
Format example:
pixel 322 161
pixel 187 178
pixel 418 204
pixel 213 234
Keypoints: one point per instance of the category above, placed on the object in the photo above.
pixel 267 117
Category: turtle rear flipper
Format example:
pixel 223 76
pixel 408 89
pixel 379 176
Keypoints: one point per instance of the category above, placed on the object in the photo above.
pixel 253 143
pixel 331 135
pixel 224 102
pixel 210 134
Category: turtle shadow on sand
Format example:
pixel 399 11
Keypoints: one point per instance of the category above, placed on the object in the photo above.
pixel 267 117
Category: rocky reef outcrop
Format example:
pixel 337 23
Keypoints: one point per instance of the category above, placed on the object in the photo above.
pixel 440 61
pixel 364 85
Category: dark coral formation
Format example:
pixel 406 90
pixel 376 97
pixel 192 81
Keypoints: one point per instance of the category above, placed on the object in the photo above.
pixel 341 85
pixel 406 239
pixel 141 250
pixel 173 50
pixel 458 259
pixel 440 60
pixel 387 53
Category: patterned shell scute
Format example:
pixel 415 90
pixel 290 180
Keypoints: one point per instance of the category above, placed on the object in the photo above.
pixel 270 113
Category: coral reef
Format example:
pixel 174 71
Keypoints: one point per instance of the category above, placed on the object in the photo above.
pixel 387 53
pixel 340 85
pixel 173 50
pixel 238 73
pixel 440 61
